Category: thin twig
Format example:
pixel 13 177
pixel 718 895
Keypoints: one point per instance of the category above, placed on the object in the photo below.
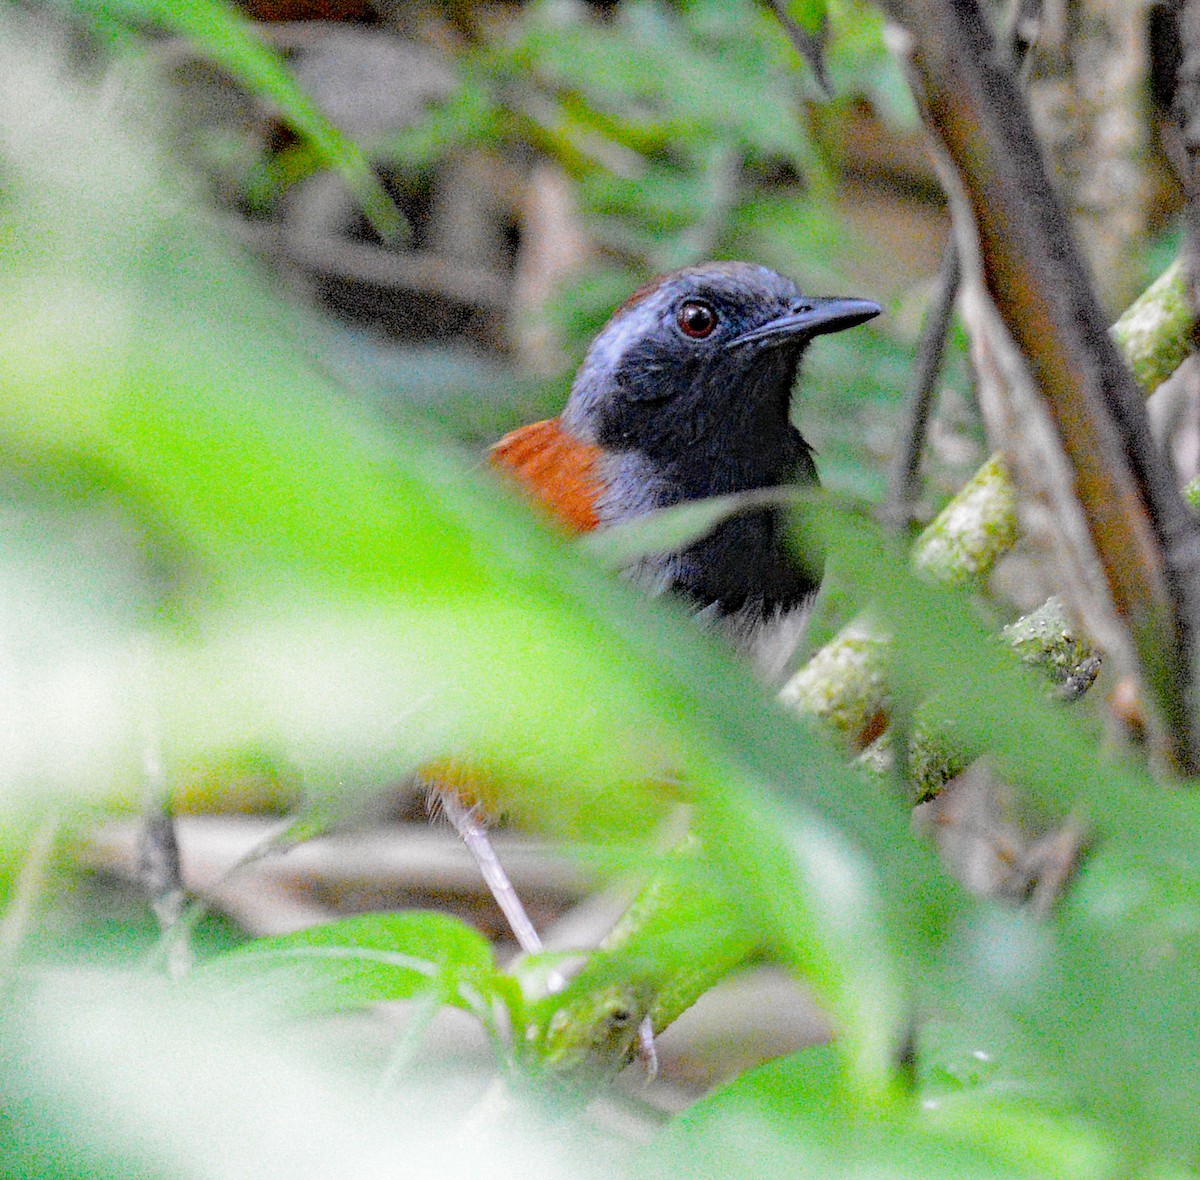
pixel 159 870
pixel 906 462
pixel 474 835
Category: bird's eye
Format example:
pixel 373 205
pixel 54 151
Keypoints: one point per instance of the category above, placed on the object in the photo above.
pixel 697 319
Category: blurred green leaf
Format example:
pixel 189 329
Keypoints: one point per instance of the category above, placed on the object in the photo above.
pixel 830 912
pixel 222 33
pixel 207 541
pixel 682 934
pixel 789 1118
pixel 363 960
pixel 940 646
pixel 810 15
pixel 860 63
pixel 300 528
pixel 356 597
pixel 1110 988
pixel 976 1086
pixel 1108 984
pixel 108 1077
pixel 672 528
pixel 469 116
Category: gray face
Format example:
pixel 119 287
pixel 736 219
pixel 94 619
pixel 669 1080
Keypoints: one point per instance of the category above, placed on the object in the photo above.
pixel 664 367
pixel 688 390
pixel 697 369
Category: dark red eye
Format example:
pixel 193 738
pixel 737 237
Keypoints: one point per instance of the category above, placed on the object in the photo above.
pixel 697 319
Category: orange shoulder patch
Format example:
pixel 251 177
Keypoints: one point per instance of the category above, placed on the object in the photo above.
pixel 562 472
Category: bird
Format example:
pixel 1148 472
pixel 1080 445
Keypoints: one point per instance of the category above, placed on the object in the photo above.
pixel 685 393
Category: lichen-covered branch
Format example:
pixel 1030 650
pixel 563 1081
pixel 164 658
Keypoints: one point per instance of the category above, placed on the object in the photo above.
pixel 1155 332
pixel 844 683
pixel 845 686
pixel 975 529
pixel 1046 640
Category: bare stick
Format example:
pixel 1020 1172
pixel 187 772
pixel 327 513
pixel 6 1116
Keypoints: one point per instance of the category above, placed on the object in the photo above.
pixel 474 836
pixel 159 870
pixel 906 462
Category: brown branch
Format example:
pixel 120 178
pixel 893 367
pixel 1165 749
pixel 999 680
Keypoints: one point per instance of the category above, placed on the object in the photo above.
pixel 1024 249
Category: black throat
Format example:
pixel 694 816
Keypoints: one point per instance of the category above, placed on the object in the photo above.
pixel 715 434
pixel 746 563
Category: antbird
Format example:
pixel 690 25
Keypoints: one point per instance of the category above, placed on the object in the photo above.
pixel 685 393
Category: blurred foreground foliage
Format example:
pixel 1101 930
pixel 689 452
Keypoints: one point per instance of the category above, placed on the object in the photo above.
pixel 211 549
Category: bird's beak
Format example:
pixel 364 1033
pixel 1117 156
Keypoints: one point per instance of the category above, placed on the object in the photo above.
pixel 815 318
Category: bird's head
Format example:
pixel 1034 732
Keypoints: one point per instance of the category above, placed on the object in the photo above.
pixel 701 360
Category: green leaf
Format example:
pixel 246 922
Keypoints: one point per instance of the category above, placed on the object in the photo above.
pixel 108 1076
pixel 353 596
pixel 828 910
pixel 681 935
pixel 941 647
pixel 789 1118
pixel 1108 988
pixel 810 15
pixel 669 529
pixel 362 960
pixel 222 33
pixel 1110 982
